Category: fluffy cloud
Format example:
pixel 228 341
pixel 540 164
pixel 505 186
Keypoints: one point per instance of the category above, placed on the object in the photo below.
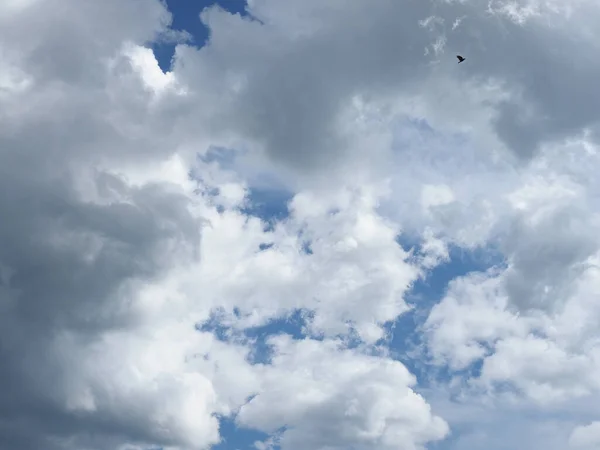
pixel 112 258
pixel 338 398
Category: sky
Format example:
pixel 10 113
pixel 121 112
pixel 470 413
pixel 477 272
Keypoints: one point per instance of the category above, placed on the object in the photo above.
pixel 299 225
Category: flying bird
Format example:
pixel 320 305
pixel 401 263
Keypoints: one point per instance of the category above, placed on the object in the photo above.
pixel 460 58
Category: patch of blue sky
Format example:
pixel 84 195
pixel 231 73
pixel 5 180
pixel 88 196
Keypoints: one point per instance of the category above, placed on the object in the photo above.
pixel 217 325
pixel 186 18
pixel 235 437
pixel 267 201
pixel 268 204
pixel 292 324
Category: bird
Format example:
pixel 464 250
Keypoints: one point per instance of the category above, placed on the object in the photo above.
pixel 460 58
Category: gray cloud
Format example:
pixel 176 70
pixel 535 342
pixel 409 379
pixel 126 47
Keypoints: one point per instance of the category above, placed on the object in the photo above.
pixel 69 261
pixel 547 258
pixel 299 67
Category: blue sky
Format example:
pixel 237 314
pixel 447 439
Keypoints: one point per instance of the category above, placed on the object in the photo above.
pixel 186 18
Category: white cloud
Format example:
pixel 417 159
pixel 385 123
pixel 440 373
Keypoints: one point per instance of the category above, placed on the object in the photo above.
pixel 337 398
pixel 144 61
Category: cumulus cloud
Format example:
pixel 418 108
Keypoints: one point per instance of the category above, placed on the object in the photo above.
pixel 121 241
pixel 328 397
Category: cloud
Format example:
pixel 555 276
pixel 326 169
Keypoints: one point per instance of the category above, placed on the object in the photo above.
pixel 84 361
pixel 338 398
pixel 585 437
pixel 381 58
pixel 119 243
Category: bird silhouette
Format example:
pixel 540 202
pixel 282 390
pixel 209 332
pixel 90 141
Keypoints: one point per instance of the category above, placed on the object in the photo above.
pixel 460 58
